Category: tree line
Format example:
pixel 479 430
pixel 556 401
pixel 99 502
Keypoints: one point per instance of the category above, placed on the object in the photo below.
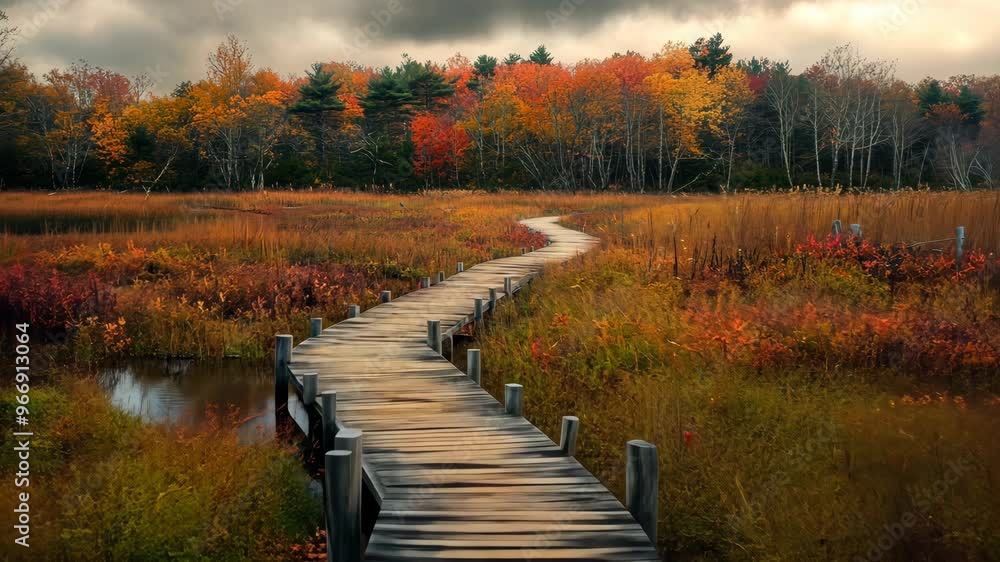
pixel 686 118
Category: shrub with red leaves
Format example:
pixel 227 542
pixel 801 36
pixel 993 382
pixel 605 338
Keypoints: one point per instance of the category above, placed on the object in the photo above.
pixel 51 301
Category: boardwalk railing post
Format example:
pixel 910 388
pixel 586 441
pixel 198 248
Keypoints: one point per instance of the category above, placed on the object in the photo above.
pixel 315 327
pixel 461 266
pixel 343 507
pixel 642 475
pixel 353 311
pixel 479 310
pixel 523 251
pixel 386 297
pixel 350 526
pixel 310 382
pixel 570 429
pixel 425 283
pixel 856 230
pixel 513 398
pixel 434 335
pixel 532 249
pixel 441 277
pixel 328 403
pixel 508 286
pixel 959 246
pixel 475 366
pixel 838 227
pixel 493 299
pixel 282 357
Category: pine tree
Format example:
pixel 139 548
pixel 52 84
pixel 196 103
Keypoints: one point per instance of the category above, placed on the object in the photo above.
pixel 931 94
pixel 971 106
pixel 710 54
pixel 430 89
pixel 541 56
pixel 319 106
pixel 483 69
pixel 388 100
pixel 513 59
pixel 320 94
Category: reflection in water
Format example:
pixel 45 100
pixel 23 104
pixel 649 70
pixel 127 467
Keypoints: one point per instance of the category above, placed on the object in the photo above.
pixel 183 393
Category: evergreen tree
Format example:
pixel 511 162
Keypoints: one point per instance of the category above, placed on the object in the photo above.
pixel 513 59
pixel 930 94
pixel 388 100
pixel 427 87
pixel 430 89
pixel 182 90
pixel 319 94
pixel 484 68
pixel 971 106
pixel 541 56
pixel 710 54
pixel 319 106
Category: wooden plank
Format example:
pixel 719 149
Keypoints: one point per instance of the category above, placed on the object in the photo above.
pixel 456 476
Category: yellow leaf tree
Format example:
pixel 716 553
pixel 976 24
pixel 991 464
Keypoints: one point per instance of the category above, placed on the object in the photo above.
pixel 689 105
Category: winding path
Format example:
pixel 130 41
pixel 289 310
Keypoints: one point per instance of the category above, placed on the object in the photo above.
pixel 456 477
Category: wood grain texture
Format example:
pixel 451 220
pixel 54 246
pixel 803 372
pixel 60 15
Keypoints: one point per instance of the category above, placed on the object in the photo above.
pixel 458 478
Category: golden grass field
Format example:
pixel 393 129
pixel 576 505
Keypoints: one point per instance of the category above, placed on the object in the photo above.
pixel 804 391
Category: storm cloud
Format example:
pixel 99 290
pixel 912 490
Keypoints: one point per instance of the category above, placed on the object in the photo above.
pixel 171 38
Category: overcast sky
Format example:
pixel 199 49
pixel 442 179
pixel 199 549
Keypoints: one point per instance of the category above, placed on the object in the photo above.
pixel 170 39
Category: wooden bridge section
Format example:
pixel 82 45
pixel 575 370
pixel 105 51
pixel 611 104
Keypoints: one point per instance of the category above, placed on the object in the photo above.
pixel 457 475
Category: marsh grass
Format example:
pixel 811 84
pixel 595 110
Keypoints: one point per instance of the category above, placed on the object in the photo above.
pixel 799 410
pixel 105 487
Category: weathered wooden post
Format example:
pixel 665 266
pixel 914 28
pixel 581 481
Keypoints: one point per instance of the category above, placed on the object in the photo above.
pixel 349 439
pixel 343 507
pixel 461 266
pixel 479 310
pixel 315 327
pixel 532 249
pixel 441 277
pixel 493 299
pixel 474 360
pixel 642 480
pixel 282 357
pixel 434 335
pixel 513 399
pixel 310 383
pixel 353 311
pixel 508 286
pixel 959 246
pixel 328 403
pixel 838 227
pixel 856 230
pixel 570 429
pixel 386 297
pixel 425 283
pixel 523 251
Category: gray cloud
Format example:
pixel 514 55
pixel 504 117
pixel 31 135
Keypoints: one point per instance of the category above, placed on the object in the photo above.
pixel 175 36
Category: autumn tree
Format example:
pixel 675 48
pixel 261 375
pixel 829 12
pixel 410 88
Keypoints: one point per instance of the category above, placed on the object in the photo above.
pixel 440 146
pixel 7 35
pixel 230 67
pixel 735 97
pixel 690 106
pixel 784 96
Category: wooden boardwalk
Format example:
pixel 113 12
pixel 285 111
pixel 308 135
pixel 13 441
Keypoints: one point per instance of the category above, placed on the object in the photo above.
pixel 456 477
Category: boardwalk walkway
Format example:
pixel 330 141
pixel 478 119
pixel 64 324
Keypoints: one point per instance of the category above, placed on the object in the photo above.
pixel 456 477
